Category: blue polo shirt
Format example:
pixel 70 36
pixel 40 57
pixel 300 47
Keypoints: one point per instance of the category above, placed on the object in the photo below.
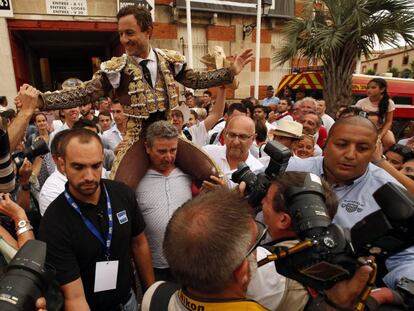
pixel 356 202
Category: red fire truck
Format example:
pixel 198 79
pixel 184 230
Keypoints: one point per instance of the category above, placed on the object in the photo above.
pixel 400 90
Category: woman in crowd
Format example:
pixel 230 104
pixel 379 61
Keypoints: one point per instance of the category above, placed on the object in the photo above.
pixel 380 108
pixel 42 166
pixel 193 120
pixel 40 122
pixel 305 147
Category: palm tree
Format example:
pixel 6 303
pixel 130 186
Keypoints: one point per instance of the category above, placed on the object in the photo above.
pixel 338 32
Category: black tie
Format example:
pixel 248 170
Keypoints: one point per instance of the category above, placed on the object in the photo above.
pixel 145 70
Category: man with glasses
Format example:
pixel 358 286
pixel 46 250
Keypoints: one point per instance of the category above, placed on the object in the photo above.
pixel 239 135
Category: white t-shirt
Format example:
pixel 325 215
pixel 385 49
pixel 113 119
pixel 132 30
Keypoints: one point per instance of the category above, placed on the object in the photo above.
pixel 267 286
pixel 199 134
pixel 327 121
pixel 366 105
pixel 218 154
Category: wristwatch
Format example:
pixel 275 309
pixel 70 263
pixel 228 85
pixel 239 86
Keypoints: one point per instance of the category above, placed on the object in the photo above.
pixel 382 159
pixel 22 223
pixel 23 226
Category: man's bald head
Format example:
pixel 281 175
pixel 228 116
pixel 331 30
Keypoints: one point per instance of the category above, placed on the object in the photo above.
pixel 238 121
pixel 354 121
pixel 239 136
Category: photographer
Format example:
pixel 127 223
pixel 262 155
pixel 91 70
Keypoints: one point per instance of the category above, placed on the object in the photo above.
pixel 210 246
pixel 24 233
pixel 346 167
pixel 273 290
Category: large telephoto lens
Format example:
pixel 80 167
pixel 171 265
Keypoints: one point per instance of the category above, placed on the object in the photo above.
pixel 26 278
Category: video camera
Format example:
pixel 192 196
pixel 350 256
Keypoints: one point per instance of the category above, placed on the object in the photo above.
pixel 26 278
pixel 257 184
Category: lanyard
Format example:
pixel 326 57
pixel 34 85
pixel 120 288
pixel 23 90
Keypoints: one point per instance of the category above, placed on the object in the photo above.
pixel 90 225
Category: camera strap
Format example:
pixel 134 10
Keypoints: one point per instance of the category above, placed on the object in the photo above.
pixel 106 244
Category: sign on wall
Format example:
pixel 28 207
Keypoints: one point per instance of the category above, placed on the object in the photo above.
pixel 6 9
pixel 149 4
pixel 66 7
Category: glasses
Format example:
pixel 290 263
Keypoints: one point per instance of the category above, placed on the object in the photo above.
pixel 261 234
pixel 241 137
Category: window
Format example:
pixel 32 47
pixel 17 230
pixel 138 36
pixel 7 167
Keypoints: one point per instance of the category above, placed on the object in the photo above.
pixel 389 63
pixel 375 67
pixel 406 59
pixel 364 69
pixel 402 100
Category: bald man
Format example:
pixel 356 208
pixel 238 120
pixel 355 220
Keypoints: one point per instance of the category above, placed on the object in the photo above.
pixel 239 135
pixel 347 167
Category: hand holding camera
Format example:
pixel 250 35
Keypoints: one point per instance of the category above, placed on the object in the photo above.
pixel 10 208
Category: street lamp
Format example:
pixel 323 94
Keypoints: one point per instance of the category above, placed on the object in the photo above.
pixel 263 7
pixel 266 6
pixel 248 29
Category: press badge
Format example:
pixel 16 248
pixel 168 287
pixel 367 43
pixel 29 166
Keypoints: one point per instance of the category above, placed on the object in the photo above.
pixel 122 217
pixel 106 274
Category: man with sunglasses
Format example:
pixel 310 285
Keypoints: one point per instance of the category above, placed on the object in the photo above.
pixel 239 135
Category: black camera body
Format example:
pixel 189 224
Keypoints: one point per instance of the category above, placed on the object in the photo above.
pixel 391 228
pixel 38 148
pixel 257 184
pixel 330 258
pixel 26 278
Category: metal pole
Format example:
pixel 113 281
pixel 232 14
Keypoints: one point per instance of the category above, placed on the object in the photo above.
pixel 258 39
pixel 189 35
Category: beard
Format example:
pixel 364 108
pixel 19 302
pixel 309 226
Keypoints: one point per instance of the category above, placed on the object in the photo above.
pixel 237 153
pixel 87 188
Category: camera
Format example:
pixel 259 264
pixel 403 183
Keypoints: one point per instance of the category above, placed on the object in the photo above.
pixel 391 228
pixel 327 253
pixel 257 184
pixel 329 257
pixel 7 177
pixel 38 148
pixel 26 278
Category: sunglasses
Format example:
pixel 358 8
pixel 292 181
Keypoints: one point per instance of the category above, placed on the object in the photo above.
pixel 261 234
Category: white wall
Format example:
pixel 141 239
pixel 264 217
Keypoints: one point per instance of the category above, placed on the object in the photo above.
pixel 7 78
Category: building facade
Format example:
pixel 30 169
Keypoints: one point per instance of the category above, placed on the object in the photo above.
pixel 399 61
pixel 45 42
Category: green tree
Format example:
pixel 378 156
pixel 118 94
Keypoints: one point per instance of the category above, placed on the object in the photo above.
pixel 395 72
pixel 338 32
pixel 371 72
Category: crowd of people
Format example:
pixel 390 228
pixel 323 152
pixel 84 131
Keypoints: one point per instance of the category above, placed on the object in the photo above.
pixel 188 246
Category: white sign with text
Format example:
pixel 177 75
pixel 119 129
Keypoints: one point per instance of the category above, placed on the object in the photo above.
pixel 6 9
pixel 67 7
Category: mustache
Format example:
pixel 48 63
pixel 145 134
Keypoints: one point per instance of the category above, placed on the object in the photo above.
pixel 83 183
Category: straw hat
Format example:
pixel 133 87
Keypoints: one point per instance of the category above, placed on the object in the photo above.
pixel 288 128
